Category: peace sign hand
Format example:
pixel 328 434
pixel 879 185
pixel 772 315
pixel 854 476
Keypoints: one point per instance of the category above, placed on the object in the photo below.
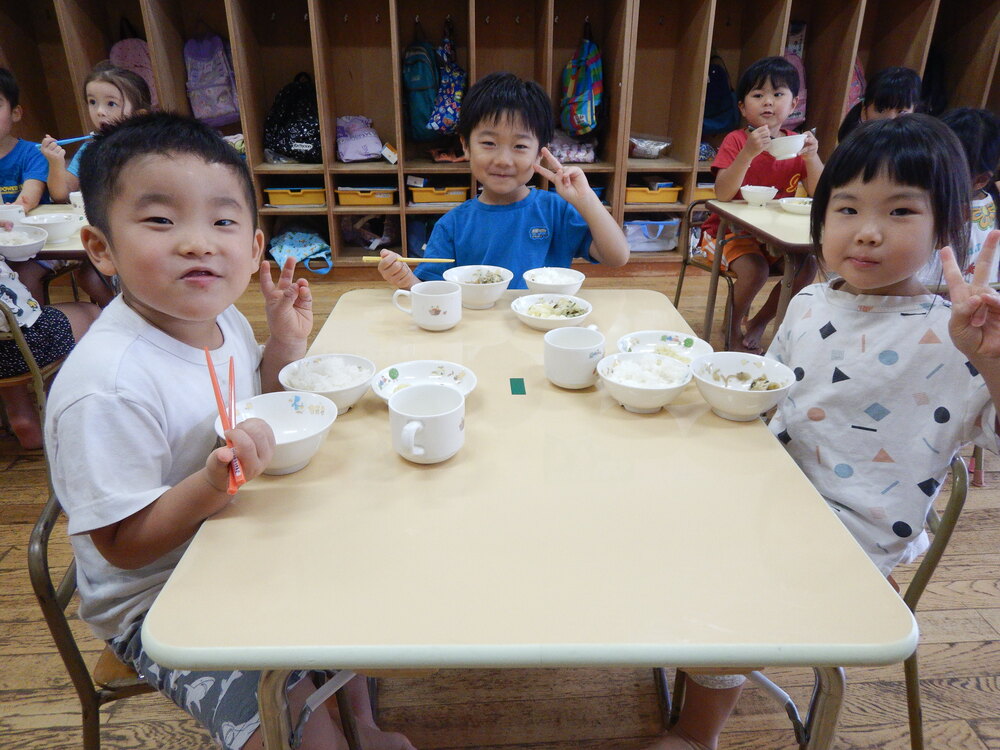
pixel 975 307
pixel 571 183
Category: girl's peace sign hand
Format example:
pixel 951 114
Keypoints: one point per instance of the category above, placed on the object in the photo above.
pixel 571 183
pixel 975 307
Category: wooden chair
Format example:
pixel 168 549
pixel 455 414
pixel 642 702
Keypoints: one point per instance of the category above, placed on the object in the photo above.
pixel 941 528
pixel 110 679
pixel 36 375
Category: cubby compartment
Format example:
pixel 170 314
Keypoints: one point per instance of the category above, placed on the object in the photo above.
pixel 364 191
pixel 306 193
pixel 354 232
pixel 895 32
pixel 512 35
pixel 968 36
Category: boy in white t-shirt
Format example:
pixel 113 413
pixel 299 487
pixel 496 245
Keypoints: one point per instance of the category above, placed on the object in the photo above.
pixel 129 422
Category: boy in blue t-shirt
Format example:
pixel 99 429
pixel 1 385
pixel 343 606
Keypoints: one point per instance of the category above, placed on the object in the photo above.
pixel 23 169
pixel 503 124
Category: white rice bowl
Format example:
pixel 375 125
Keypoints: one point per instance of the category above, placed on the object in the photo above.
pixel 643 382
pixel 342 378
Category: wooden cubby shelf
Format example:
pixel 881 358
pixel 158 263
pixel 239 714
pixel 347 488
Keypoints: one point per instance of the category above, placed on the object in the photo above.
pixel 656 55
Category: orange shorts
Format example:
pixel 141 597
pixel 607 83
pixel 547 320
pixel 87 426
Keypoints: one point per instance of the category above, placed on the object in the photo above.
pixel 737 245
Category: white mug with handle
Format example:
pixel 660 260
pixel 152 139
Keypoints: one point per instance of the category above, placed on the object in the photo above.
pixel 427 422
pixel 434 305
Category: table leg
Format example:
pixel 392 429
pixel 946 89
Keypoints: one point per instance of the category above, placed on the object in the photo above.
pixel 824 710
pixel 792 265
pixel 275 723
pixel 713 284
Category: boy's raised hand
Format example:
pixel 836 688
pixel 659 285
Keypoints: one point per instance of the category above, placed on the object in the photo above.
pixel 288 303
pixel 975 307
pixel 571 182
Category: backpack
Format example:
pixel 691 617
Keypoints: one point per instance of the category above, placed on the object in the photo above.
pixel 420 82
pixel 721 113
pixel 451 89
pixel 132 53
pixel 211 83
pixel 857 90
pixel 798 115
pixel 291 127
pixel 582 106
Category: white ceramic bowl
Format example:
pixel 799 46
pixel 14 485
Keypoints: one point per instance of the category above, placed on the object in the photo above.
pixel 736 402
pixel 568 280
pixel 477 296
pixel 758 195
pixel 642 399
pixel 59 226
pixel 786 146
pixel 684 347
pixel 29 250
pixel 343 396
pixel 300 421
pixel 422 371
pixel 797 205
pixel 521 305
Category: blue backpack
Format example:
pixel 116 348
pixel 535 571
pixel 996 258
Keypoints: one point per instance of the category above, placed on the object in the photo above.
pixel 721 112
pixel 420 82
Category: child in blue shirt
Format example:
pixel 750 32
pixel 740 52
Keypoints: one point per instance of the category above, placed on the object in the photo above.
pixel 23 169
pixel 503 124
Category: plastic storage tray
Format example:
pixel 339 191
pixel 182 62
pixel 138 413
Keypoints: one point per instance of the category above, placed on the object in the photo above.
pixel 296 196
pixel 645 195
pixel 439 195
pixel 366 196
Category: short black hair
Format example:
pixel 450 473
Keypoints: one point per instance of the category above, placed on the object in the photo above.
pixel 913 149
pixel 154 133
pixel 978 130
pixel 777 70
pixel 9 89
pixel 504 96
pixel 893 88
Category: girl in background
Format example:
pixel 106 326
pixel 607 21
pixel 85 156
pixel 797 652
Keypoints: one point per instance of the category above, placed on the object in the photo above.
pixel 891 93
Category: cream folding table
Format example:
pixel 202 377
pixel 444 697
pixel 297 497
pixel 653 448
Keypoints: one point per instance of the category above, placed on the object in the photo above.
pixel 567 532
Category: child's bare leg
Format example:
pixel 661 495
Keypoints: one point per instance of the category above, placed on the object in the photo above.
pixel 758 324
pixel 371 736
pixel 703 715
pixel 80 316
pixel 31 274
pixel 751 274
pixel 22 414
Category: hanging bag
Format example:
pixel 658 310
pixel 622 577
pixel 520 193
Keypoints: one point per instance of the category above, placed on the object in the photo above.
pixel 582 104
pixel 291 127
pixel 132 53
pixel 211 82
pixel 721 112
pixel 451 89
pixel 421 81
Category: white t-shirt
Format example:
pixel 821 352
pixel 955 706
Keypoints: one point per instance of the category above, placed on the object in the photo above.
pixel 881 402
pixel 17 297
pixel 984 220
pixel 130 415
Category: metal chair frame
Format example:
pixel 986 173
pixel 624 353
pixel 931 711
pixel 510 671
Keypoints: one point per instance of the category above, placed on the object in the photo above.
pixel 36 375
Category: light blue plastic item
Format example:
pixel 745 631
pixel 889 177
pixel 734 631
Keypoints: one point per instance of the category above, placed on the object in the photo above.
pixel 651 236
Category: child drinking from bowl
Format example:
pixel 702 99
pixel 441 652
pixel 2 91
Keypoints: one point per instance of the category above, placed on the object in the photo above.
pixel 129 427
pixel 891 380
pixel 504 124
pixel 767 93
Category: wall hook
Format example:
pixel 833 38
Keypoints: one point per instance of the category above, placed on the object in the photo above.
pixel 416 18
pixel 517 20
pixel 555 19
pixel 378 18
pixel 345 18
pixel 486 20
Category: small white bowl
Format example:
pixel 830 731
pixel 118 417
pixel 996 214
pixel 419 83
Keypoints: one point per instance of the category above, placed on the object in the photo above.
pixel 422 371
pixel 569 280
pixel 758 195
pixel 300 421
pixel 786 146
pixel 343 396
pixel 797 205
pixel 684 347
pixel 733 401
pixel 521 304
pixel 476 296
pixel 642 399
pixel 59 226
pixel 29 250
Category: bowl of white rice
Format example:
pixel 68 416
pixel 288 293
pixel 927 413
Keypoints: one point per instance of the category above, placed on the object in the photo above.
pixel 22 242
pixel 643 382
pixel 342 378
pixel 550 280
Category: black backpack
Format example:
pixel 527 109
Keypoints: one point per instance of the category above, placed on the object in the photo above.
pixel 292 126
pixel 420 82
pixel 721 112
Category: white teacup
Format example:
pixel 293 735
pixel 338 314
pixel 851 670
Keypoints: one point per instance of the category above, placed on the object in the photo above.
pixel 76 200
pixel 434 305
pixel 427 422
pixel 10 212
pixel 571 356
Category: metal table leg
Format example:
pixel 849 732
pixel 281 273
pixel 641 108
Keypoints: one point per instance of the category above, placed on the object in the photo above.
pixel 713 285
pixel 824 709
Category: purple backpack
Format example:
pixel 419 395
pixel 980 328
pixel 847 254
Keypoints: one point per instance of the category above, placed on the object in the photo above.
pixel 211 83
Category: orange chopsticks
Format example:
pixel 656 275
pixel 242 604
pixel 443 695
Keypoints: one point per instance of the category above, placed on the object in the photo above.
pixel 227 417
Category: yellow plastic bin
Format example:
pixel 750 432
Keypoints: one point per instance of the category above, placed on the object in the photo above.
pixel 645 195
pixel 439 195
pixel 296 196
pixel 704 192
pixel 366 196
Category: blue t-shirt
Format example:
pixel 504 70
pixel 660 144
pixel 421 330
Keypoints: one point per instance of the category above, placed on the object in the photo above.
pixel 541 230
pixel 74 163
pixel 24 162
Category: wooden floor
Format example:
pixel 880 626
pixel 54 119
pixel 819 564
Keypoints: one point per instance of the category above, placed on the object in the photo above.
pixel 539 709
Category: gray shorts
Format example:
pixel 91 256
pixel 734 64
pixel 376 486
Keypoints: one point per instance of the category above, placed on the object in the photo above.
pixel 225 703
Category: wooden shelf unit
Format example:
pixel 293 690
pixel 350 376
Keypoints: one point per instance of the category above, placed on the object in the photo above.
pixel 656 55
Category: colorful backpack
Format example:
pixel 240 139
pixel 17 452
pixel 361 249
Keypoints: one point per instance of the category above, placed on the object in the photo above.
pixel 132 53
pixel 857 91
pixel 798 115
pixel 444 117
pixel 211 83
pixel 581 108
pixel 721 114
pixel 420 81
